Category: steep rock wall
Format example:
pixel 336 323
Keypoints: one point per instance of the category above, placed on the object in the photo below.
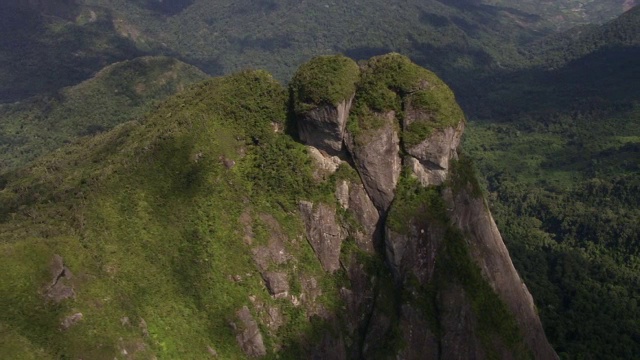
pixel 431 223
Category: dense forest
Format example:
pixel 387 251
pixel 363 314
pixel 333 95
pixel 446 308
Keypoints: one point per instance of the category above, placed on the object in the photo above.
pixel 560 164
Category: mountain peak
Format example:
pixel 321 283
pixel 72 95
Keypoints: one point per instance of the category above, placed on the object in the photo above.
pixel 204 228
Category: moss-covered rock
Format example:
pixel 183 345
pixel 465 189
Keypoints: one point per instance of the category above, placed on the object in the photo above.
pixel 322 91
pixel 324 80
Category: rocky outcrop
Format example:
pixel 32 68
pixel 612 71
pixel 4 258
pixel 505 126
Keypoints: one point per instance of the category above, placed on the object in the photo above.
pixel 70 320
pixel 248 334
pixel 323 233
pixel 376 155
pixel 277 284
pixel 323 127
pixel 354 199
pixel 488 250
pixel 429 160
pixel 274 253
pixel 325 164
pixel 60 287
pixel 437 315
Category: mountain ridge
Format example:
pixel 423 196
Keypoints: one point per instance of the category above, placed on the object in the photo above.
pixel 116 94
pixel 205 225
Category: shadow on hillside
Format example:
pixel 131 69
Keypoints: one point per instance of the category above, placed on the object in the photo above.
pixel 35 59
pixel 606 80
pixel 167 7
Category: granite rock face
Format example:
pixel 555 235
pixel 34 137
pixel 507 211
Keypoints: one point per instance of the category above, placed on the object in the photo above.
pixel 324 233
pixel 376 155
pixel 472 215
pixel 436 316
pixel 324 126
pixel 354 199
pixel 325 164
pixel 429 160
pixel 248 334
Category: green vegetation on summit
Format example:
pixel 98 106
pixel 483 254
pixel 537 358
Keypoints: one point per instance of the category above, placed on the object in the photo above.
pixel 393 83
pixel 324 80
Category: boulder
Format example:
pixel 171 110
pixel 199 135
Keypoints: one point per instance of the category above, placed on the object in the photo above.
pixel 277 284
pixel 325 165
pixel 60 287
pixel 70 320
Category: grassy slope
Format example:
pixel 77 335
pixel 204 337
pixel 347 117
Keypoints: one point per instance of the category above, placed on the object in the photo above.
pixel 116 94
pixel 146 216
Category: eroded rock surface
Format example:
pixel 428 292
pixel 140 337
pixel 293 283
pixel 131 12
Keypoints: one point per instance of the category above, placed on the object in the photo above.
pixel 376 154
pixel 323 127
pixel 429 160
pixel 325 164
pixel 354 199
pixel 249 337
pixel 324 233
pixel 414 253
pixel 277 284
pixel 60 287
pixel 275 253
pixel 490 253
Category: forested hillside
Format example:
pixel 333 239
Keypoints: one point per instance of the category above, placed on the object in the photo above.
pixel 44 47
pixel 205 230
pixel 118 93
pixel 560 159
pixel 43 51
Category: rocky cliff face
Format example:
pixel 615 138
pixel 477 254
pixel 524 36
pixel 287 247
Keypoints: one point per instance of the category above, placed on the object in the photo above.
pixel 461 297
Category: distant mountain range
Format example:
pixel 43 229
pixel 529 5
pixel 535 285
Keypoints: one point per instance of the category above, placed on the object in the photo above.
pixel 47 45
